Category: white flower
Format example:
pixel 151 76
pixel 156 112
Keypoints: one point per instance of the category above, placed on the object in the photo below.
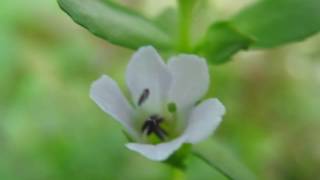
pixel 163 114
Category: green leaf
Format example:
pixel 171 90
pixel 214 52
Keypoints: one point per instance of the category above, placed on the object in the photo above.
pixel 223 161
pixel 167 20
pixel 221 42
pixel 116 24
pixel 265 24
pixel 277 22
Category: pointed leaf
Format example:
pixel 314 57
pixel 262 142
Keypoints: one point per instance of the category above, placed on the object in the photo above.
pixel 221 42
pixel 116 24
pixel 168 21
pixel 276 22
pixel 265 24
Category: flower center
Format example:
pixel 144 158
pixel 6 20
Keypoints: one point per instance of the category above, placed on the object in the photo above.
pixel 155 128
pixel 152 126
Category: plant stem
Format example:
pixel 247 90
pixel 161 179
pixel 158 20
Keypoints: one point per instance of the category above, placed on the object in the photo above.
pixel 185 17
pixel 178 174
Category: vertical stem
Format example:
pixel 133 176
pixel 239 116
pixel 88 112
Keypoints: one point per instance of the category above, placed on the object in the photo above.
pixel 178 174
pixel 185 17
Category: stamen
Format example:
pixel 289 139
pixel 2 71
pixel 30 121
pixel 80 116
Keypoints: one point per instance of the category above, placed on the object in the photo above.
pixel 160 133
pixel 145 126
pixel 144 96
pixel 152 125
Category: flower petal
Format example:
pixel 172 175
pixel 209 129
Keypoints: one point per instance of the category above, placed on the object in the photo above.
pixel 204 119
pixel 190 79
pixel 158 152
pixel 107 95
pixel 146 70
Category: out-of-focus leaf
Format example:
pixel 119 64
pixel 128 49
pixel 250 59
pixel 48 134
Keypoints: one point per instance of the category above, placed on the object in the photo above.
pixel 116 24
pixel 223 161
pixel 168 21
pixel 265 24
pixel 221 42
pixel 276 22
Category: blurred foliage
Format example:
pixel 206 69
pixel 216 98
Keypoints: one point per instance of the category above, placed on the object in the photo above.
pixel 261 24
pixel 50 129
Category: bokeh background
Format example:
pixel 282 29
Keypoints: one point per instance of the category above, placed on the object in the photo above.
pixel 51 130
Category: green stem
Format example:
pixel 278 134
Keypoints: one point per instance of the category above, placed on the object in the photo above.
pixel 178 174
pixel 204 159
pixel 185 17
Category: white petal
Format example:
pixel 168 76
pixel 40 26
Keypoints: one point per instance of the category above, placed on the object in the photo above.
pixel 157 152
pixel 146 70
pixel 204 119
pixel 190 79
pixel 107 95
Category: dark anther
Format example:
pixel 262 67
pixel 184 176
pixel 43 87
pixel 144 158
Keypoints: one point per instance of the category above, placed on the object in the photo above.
pixel 144 96
pixel 152 125
pixel 160 133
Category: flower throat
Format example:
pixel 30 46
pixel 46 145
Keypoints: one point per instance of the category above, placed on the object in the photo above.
pixel 152 123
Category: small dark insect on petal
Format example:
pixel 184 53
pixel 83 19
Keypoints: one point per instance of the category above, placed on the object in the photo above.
pixel 144 96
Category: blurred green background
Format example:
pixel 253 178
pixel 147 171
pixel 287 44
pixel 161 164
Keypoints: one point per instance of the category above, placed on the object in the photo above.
pixel 50 129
